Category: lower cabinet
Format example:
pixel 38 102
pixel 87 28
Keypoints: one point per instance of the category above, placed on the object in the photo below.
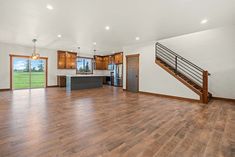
pixel 61 81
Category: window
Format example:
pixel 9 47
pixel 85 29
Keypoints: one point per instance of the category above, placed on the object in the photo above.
pixel 84 65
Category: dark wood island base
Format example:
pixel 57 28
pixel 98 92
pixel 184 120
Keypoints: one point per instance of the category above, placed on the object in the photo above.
pixel 78 82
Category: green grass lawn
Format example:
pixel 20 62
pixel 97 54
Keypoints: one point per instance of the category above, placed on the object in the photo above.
pixel 21 80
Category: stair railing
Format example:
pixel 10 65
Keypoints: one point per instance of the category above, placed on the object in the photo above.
pixel 184 68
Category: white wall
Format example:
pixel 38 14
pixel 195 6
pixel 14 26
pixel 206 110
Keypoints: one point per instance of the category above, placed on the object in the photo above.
pixel 213 50
pixel 6 49
pixel 153 78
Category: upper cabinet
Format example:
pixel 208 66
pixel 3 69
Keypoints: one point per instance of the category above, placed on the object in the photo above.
pixel 71 58
pixel 105 62
pixel 111 59
pixel 61 63
pixel 98 62
pixel 102 62
pixel 118 58
pixel 66 60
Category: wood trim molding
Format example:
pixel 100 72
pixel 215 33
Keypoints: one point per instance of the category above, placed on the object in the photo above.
pixel 224 99
pixel 52 86
pixel 11 59
pixel 23 56
pixel 5 89
pixel 46 71
pixel 170 96
pixel 128 56
pixel 133 55
pixel 205 87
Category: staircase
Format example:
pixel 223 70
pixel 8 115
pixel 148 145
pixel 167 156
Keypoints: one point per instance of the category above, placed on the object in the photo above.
pixel 185 71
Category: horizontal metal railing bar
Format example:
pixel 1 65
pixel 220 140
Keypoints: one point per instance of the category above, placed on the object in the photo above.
pixel 171 62
pixel 167 54
pixel 163 54
pixel 167 62
pixel 165 51
pixel 200 84
pixel 192 77
pixel 195 76
pixel 170 51
pixel 200 73
pixel 160 45
pixel 191 70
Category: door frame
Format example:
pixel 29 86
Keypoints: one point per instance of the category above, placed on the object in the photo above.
pixel 129 56
pixel 24 56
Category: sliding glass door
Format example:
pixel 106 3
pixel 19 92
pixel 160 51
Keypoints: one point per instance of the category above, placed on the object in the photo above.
pixel 28 73
pixel 38 75
pixel 21 73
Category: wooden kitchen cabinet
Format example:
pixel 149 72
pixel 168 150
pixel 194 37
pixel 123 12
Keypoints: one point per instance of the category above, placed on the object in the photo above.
pixel 102 62
pixel 105 62
pixel 66 60
pixel 118 58
pixel 61 60
pixel 71 60
pixel 98 62
pixel 61 81
pixel 111 59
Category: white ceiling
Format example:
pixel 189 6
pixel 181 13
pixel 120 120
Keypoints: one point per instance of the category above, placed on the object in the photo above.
pixel 82 22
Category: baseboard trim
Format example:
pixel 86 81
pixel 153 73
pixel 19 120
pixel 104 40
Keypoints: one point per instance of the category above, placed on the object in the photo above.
pixel 224 99
pixel 6 89
pixel 52 86
pixel 170 96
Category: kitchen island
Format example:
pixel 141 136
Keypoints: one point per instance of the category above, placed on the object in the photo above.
pixel 78 82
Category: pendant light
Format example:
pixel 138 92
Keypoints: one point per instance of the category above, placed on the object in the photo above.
pixel 94 57
pixel 79 48
pixel 35 54
pixel 94 60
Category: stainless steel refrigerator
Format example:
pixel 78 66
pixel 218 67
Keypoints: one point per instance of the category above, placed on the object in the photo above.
pixel 117 75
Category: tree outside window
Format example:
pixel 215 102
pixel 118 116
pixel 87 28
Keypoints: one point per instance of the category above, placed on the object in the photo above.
pixel 84 65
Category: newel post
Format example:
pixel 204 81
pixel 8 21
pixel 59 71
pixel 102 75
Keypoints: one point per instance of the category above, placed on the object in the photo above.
pixel 205 87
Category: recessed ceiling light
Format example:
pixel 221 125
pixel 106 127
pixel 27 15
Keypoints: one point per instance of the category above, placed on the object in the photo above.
pixel 59 35
pixel 137 38
pixel 94 43
pixel 107 28
pixel 204 21
pixel 50 7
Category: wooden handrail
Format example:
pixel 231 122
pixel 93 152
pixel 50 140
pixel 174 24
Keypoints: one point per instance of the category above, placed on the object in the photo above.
pixel 205 87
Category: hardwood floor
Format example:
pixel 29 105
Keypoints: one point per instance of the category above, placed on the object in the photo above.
pixel 108 122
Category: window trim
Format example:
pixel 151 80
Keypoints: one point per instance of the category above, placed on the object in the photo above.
pixel 92 66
